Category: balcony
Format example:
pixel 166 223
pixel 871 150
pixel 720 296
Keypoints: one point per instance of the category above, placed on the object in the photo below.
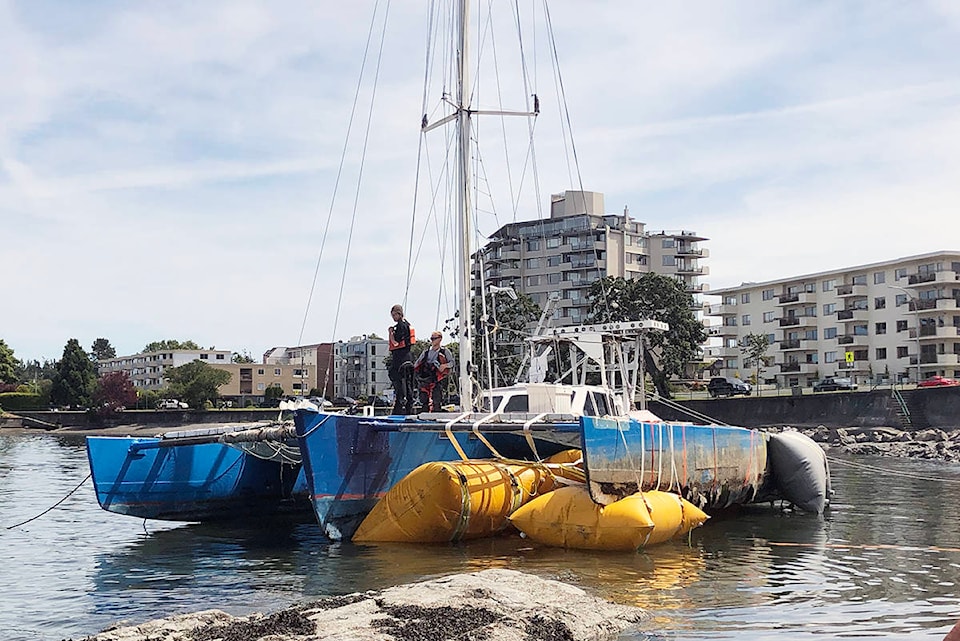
pixel 945 276
pixel 791 343
pixel 692 251
pixel 851 290
pixel 852 340
pixel 938 333
pixel 694 270
pixel 853 314
pixel 800 320
pixel 940 360
pixel 722 310
pixel 797 368
pixel 797 298
pixel 934 305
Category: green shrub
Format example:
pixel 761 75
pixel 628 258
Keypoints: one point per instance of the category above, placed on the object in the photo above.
pixel 13 401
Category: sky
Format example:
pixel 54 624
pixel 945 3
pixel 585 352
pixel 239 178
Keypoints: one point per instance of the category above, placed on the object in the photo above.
pixel 169 170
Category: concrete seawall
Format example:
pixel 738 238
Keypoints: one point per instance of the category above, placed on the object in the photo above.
pixel 935 407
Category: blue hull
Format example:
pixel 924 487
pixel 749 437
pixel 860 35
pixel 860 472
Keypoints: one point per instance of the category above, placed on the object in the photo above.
pixel 351 461
pixel 190 482
pixel 713 466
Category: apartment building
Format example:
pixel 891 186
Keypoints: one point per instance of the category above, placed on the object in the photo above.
pixel 561 257
pixel 318 357
pixel 360 368
pixel 897 320
pixel 249 381
pixel 146 369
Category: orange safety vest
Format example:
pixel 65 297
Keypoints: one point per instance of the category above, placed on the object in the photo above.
pixel 392 344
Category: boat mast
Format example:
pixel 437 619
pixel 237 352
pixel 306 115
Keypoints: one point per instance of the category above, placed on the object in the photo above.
pixel 463 207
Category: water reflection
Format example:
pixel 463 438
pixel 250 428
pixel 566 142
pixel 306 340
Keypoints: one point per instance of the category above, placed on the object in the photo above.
pixel 883 563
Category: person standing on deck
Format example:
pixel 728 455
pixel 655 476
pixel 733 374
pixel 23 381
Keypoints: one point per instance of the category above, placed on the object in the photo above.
pixel 431 369
pixel 401 366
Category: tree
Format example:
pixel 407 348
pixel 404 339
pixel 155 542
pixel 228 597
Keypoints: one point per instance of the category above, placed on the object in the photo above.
pixel 169 345
pixel 505 326
pixel 76 377
pixel 274 391
pixel 114 392
pixel 196 382
pixel 101 350
pixel 657 297
pixel 242 357
pixel 754 348
pixel 8 364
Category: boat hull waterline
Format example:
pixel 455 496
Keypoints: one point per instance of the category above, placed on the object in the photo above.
pixel 147 478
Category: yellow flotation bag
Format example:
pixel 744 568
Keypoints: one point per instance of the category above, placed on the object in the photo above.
pixel 440 502
pixel 567 464
pixel 673 516
pixel 568 517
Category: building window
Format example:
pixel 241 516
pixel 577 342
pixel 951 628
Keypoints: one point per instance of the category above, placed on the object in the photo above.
pixel 298 372
pixel 881 353
pixel 830 332
pixel 859 279
pixel 829 308
pixel 533 263
pixel 533 281
pixel 729 300
pixel 668 243
pixel 553 243
pixel 767 294
pixel 768 316
pixel 902 352
pixel 730 363
pixel 828 285
pixel 810 334
pixel 829 357
pixel 554 278
pixel 554 261
pixel 860 330
pixel 220 357
pixel 533 245
pixel 373 377
pixel 901 299
pixel 901 325
pixel 260 371
pixel 260 387
pixel 746 319
pixel 879 278
pixel 881 328
pixel 880 302
pixel 204 357
pixel 771 338
pixel 745 298
pixel 900 272
pixel 276 371
pixel 297 386
pixel 669 261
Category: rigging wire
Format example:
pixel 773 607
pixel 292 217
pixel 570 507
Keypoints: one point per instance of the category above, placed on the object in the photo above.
pixel 336 184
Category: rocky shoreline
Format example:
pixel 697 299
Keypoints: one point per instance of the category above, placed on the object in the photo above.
pixel 933 444
pixel 489 605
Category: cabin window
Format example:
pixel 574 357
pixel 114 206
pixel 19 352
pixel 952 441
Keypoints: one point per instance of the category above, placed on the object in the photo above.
pixel 496 402
pixel 589 409
pixel 517 403
pixel 603 407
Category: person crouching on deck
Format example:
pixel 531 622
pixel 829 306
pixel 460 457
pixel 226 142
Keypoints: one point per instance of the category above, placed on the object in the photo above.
pixel 431 368
pixel 401 365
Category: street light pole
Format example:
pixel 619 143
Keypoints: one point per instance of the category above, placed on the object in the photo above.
pixel 916 315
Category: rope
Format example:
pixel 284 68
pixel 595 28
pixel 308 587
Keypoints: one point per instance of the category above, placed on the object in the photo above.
pixel 52 507
pixel 881 470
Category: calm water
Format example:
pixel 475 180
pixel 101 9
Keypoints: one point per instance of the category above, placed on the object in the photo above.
pixel 884 564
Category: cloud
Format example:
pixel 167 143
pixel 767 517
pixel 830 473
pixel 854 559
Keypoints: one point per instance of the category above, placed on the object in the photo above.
pixel 167 170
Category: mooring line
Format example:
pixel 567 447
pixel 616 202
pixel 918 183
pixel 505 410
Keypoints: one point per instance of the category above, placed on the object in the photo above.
pixel 52 507
pixel 880 470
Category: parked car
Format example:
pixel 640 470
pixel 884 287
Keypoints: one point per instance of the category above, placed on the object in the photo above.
pixel 171 404
pixel 938 381
pixel 344 401
pixel 727 386
pixel 832 383
pixel 269 402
